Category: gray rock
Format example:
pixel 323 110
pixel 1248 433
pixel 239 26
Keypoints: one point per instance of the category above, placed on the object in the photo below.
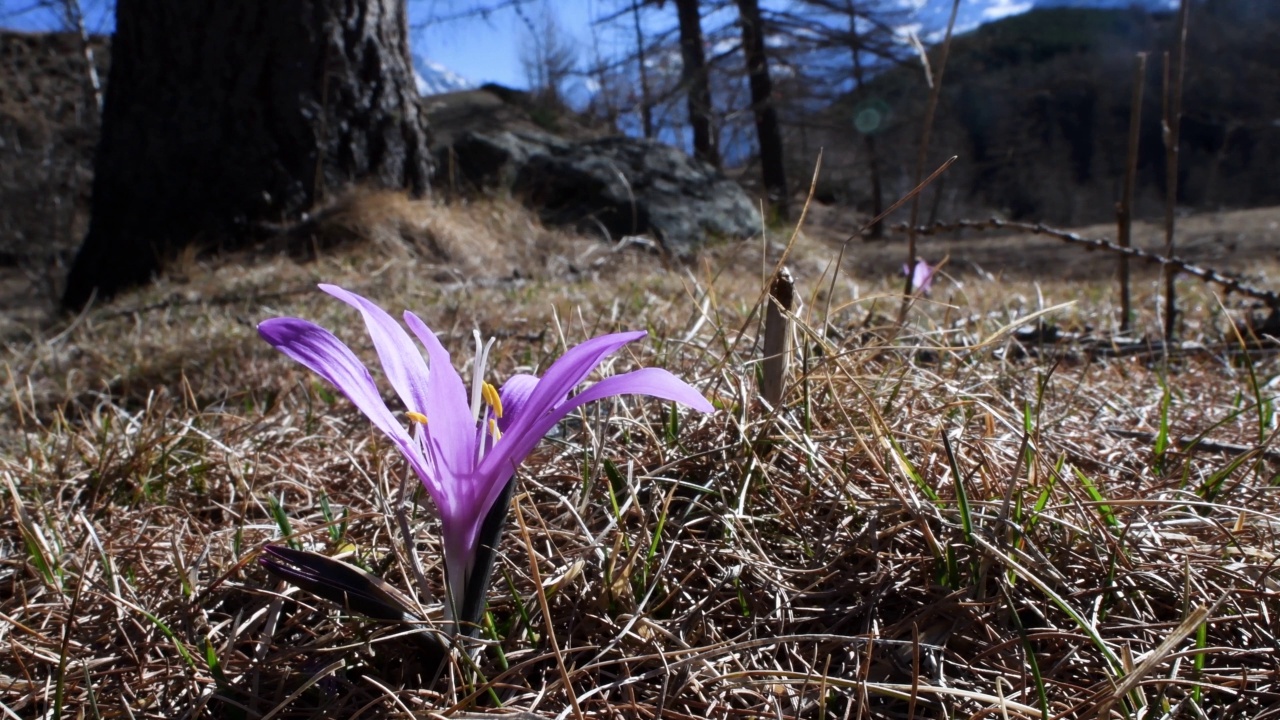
pixel 635 187
pixel 617 186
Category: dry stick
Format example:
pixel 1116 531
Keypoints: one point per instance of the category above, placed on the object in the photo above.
pixel 777 337
pixel 1193 443
pixel 1124 211
pixel 922 157
pixel 764 292
pixel 1172 125
pixel 1228 284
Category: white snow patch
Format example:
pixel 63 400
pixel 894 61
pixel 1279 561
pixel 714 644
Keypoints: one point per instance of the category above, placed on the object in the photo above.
pixel 1004 8
pixel 432 78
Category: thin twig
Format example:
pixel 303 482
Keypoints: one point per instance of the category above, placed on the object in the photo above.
pixel 1228 284
pixel 546 612
pixel 1172 126
pixel 922 157
pixel 1124 211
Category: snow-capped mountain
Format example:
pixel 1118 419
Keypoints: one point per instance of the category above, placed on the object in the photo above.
pixel 433 78
pixel 930 16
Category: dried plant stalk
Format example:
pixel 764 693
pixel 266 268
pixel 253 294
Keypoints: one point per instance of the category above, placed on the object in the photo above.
pixel 1172 124
pixel 931 108
pixel 1124 211
pixel 777 336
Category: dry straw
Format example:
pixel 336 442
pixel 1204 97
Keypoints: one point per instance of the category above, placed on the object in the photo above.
pixel 935 523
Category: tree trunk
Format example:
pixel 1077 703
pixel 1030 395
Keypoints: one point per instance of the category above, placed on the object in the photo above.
pixel 221 114
pixel 768 132
pixel 694 77
pixel 868 137
pixel 646 100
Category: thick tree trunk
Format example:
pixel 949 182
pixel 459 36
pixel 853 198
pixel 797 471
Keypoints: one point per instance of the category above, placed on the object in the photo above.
pixel 768 131
pixel 694 77
pixel 223 113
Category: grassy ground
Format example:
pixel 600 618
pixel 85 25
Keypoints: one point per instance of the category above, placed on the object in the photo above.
pixel 938 523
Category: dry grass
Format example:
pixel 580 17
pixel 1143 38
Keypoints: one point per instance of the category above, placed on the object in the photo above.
pixel 936 525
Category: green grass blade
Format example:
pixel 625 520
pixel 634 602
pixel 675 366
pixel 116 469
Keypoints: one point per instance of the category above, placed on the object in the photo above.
pixel 282 522
pixel 1104 508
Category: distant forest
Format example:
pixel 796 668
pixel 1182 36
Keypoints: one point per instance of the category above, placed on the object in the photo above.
pixel 1037 106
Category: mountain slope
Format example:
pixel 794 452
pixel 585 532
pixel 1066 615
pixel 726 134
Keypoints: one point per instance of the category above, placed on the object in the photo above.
pixel 433 78
pixel 1036 107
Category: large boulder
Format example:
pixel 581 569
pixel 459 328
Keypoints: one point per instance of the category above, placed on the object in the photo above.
pixel 615 186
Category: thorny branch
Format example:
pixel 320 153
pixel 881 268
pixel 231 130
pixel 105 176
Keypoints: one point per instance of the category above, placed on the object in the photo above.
pixel 1228 284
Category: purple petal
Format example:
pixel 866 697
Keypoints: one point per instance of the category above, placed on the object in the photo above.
pixel 400 357
pixel 655 382
pixel 451 431
pixel 515 395
pixel 922 278
pixel 565 374
pixel 331 359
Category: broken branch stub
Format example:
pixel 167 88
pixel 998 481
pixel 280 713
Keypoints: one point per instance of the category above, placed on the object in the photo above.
pixel 777 337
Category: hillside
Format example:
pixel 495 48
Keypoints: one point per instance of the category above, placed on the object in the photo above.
pixel 1036 106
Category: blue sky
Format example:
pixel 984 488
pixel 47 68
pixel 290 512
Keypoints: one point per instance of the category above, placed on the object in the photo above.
pixel 489 48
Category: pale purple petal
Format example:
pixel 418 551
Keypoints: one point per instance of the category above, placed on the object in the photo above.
pixel 330 358
pixel 654 382
pixel 400 357
pixel 451 430
pixel 573 367
pixel 515 395
pixel 513 449
pixel 921 276
pixel 565 374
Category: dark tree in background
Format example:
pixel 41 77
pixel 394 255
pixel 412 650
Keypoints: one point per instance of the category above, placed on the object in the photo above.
pixel 642 65
pixel 694 79
pixel 221 114
pixel 768 131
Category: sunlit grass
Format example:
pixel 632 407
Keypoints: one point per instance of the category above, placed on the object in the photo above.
pixel 940 520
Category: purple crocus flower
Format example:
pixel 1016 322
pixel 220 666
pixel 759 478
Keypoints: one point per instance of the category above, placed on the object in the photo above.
pixel 922 277
pixel 465 446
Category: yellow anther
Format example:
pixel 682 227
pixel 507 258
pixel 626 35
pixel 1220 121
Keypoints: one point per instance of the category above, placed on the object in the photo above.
pixel 416 417
pixel 494 431
pixel 491 398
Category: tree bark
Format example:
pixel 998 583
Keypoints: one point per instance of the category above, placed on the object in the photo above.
pixel 768 131
pixel 221 114
pixel 694 77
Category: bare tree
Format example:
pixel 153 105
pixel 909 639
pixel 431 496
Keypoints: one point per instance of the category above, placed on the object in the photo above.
pixel 868 134
pixel 825 43
pixel 642 63
pixel 768 130
pixel 548 57
pixel 694 79
pixel 221 114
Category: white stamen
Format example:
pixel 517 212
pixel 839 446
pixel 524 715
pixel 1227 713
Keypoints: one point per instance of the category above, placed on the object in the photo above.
pixel 478 367
pixel 477 375
pixel 484 432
